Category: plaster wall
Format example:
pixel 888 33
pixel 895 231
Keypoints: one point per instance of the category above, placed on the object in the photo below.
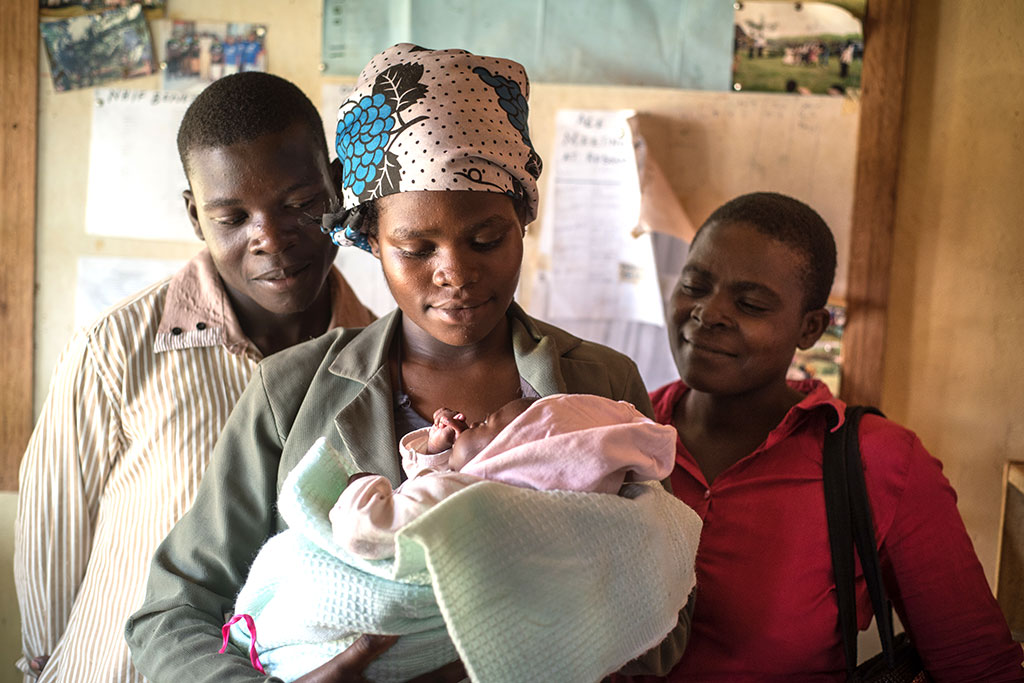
pixel 953 366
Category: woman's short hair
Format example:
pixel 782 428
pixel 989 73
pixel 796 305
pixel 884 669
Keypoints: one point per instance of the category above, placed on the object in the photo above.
pixel 794 224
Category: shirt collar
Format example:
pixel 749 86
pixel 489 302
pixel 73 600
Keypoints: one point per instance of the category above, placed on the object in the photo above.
pixel 198 312
pixel 538 351
pixel 817 397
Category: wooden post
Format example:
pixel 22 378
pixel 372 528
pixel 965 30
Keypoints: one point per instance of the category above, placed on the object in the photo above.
pixel 886 30
pixel 19 68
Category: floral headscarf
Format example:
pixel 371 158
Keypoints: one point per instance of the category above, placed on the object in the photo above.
pixel 445 120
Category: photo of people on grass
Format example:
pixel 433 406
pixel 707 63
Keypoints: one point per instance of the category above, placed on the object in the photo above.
pixel 802 48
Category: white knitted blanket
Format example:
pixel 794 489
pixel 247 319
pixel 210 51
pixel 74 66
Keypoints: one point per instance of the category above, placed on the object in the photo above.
pixel 519 584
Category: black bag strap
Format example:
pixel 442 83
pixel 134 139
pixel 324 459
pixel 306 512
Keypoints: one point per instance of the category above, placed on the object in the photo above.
pixel 850 524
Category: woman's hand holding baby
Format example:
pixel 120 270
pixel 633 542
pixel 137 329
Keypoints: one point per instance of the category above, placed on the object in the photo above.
pixel 348 666
pixel 448 424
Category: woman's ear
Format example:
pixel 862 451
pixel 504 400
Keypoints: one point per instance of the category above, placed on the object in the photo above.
pixel 813 326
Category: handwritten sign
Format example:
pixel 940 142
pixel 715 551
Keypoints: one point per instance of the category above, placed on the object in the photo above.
pixel 135 175
pixel 599 277
pixel 596 268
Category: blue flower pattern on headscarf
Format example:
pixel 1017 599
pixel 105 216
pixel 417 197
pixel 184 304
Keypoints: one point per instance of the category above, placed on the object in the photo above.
pixel 512 100
pixel 367 131
pixel 363 136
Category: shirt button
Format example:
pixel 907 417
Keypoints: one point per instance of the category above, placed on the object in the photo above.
pixel 707 494
pixel 175 331
pixel 200 326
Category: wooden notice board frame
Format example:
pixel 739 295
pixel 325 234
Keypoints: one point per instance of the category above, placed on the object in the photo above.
pixel 886 32
pixel 19 83
pixel 886 38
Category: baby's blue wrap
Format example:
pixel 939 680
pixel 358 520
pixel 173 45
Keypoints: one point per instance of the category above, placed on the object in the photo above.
pixel 529 585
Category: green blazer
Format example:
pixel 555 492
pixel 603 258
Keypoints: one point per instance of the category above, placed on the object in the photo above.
pixel 338 386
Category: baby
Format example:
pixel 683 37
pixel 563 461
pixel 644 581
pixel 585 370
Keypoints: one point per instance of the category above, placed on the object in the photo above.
pixel 574 442
pixel 334 573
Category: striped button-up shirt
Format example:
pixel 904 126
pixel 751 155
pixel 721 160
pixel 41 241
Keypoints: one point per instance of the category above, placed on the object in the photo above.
pixel 135 406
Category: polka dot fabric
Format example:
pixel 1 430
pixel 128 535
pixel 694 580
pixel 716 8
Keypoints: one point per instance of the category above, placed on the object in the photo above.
pixel 443 120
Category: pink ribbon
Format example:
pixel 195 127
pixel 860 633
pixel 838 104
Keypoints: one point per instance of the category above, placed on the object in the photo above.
pixel 225 630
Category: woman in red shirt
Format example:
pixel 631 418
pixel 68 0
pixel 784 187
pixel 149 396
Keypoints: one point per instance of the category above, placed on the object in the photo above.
pixel 749 454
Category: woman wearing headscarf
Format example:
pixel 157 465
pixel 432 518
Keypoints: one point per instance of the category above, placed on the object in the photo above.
pixel 439 180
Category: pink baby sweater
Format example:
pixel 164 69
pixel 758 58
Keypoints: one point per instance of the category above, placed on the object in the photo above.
pixel 573 442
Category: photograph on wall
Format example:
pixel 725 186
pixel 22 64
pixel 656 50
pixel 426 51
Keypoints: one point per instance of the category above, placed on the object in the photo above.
pixel 100 4
pixel 196 53
pixel 97 48
pixel 803 48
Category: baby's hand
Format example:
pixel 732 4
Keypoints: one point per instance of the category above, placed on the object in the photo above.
pixel 447 426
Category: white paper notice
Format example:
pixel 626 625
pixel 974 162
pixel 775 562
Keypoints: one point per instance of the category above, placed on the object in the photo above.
pixel 104 281
pixel 595 268
pixel 135 175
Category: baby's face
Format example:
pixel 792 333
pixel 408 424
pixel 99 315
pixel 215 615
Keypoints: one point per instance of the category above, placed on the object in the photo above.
pixel 473 440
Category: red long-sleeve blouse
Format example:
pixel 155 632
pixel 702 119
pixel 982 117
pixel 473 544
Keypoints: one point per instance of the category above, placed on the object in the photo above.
pixel 766 606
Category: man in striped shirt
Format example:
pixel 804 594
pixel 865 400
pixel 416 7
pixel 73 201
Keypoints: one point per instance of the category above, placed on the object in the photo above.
pixel 139 397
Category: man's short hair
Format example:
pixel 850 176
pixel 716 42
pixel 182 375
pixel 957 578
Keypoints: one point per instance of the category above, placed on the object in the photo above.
pixel 242 107
pixel 794 224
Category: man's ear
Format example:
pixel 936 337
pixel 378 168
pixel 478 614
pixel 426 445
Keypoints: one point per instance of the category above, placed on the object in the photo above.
pixel 374 245
pixel 813 326
pixel 193 212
